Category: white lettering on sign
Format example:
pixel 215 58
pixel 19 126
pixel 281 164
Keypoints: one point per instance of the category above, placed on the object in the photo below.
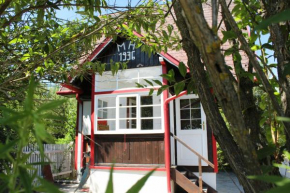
pixel 126 54
pixel 120 46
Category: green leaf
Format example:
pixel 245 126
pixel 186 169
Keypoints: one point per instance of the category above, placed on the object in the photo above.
pixel 139 85
pixel 170 76
pixel 287 119
pixel 151 92
pixel 278 180
pixel 286 70
pixel 110 188
pixel 182 69
pixel 266 151
pixel 190 86
pixel 268 46
pixel 178 87
pixel 47 187
pixel 158 82
pixel 162 88
pixel 279 17
pixel 25 179
pixel 6 148
pixel 149 82
pixel 140 183
pixel 50 106
pixel 228 35
pixel 40 15
pixel 282 189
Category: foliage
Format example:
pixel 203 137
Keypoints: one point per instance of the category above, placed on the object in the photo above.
pixel 17 175
pixel 35 41
pixel 282 183
pixel 222 161
pixel 63 131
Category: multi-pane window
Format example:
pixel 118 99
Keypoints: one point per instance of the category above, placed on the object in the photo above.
pixel 127 78
pixel 190 114
pixel 132 112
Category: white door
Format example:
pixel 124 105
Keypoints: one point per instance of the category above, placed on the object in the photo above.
pixel 190 128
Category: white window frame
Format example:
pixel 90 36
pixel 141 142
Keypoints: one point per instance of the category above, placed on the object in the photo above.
pixel 138 116
pixel 137 79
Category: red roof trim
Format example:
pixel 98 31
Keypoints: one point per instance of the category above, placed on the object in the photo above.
pixel 72 90
pixel 98 49
pixel 67 92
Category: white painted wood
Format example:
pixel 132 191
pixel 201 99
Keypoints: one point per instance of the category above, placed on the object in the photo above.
pixel 79 146
pixel 126 79
pixel 123 180
pixel 86 121
pixel 59 156
pixel 172 141
pixel 114 120
pixel 196 138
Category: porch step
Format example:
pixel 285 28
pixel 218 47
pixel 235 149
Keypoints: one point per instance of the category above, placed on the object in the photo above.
pixel 189 182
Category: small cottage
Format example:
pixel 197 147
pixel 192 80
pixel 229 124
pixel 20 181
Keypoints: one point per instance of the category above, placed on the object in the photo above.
pixel 122 124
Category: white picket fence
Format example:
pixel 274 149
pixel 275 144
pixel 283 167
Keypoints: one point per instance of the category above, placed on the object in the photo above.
pixel 58 155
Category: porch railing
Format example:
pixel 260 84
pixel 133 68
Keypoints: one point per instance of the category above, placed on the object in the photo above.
pixel 200 157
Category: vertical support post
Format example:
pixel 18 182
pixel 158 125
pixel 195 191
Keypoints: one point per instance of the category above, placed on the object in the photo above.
pixel 200 174
pixel 92 158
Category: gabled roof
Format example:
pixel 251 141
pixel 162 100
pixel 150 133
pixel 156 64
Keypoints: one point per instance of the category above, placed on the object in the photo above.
pixel 168 57
pixel 69 89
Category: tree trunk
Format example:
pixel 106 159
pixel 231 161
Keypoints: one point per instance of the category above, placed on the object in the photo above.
pixel 240 154
pixel 279 36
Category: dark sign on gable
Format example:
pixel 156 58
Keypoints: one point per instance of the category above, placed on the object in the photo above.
pixel 126 51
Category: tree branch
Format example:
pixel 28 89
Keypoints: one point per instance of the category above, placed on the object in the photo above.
pixel 254 62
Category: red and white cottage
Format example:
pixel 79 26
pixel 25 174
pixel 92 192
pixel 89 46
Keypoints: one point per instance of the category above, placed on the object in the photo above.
pixel 120 123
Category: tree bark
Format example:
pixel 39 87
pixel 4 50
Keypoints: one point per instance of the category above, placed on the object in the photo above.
pixel 279 38
pixel 269 89
pixel 196 42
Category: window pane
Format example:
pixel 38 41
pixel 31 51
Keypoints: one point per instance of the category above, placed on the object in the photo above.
pixel 106 76
pixel 147 124
pixel 146 100
pixel 196 124
pixel 106 102
pixel 150 100
pixel 142 81
pixel 151 124
pixel 184 104
pixel 185 125
pixel 127 83
pixel 105 82
pixel 150 72
pixel 147 112
pixel 185 114
pixel 106 125
pixel 127 101
pixel 128 74
pixel 195 113
pixel 108 85
pixel 127 112
pixel 154 111
pixel 195 103
pixel 107 113
pixel 128 124
pixel 100 103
